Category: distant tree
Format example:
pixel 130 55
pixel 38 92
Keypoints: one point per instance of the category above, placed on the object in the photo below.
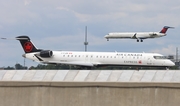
pixel 9 68
pixel 175 67
pixel 19 67
pixel 51 67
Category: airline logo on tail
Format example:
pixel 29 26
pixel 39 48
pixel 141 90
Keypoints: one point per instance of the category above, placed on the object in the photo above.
pixel 165 28
pixel 28 47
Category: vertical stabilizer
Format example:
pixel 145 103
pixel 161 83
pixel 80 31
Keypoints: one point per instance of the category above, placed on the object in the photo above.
pixel 165 28
pixel 27 45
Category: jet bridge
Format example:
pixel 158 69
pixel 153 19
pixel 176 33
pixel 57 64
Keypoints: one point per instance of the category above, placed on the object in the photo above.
pixel 90 87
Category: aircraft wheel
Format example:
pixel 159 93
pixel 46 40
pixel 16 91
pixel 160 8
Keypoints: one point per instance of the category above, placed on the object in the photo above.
pixel 141 40
pixel 137 40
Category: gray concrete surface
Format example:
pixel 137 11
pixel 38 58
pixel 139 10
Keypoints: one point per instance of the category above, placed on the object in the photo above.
pixel 89 88
pixel 91 75
pixel 20 93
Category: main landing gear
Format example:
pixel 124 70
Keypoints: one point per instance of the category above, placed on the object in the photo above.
pixel 140 40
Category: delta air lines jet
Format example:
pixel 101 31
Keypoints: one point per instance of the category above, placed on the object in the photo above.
pixel 92 59
pixel 137 35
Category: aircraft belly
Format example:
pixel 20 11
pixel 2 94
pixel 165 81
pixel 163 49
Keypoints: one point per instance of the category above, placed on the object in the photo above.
pixel 143 36
pixel 123 35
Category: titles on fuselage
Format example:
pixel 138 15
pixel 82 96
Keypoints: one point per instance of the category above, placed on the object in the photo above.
pixel 130 62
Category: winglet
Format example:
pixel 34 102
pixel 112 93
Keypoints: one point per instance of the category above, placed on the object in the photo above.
pixel 165 28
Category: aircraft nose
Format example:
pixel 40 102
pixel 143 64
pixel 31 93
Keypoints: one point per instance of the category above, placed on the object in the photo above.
pixel 171 63
pixel 106 36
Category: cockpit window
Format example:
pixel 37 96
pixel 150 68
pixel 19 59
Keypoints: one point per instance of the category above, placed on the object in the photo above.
pixel 160 57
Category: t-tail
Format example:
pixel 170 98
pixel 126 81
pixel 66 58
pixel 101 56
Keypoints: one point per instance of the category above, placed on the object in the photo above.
pixel 27 45
pixel 165 28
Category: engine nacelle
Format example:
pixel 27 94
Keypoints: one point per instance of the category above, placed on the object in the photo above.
pixel 46 53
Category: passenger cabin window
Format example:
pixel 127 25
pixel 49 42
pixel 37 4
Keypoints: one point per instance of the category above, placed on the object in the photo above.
pixel 160 57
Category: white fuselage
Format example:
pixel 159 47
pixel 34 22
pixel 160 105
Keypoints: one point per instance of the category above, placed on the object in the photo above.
pixel 134 35
pixel 103 58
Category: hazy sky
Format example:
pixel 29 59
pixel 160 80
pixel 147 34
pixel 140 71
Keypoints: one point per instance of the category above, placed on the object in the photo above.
pixel 60 25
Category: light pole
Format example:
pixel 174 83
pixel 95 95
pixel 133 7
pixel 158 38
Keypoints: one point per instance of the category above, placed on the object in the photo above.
pixel 85 43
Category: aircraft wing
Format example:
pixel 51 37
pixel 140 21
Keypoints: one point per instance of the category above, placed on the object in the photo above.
pixel 135 36
pixel 79 63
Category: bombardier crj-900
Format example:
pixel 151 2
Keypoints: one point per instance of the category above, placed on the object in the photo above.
pixel 92 59
pixel 137 35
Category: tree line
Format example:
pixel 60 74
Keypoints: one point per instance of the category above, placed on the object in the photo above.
pixel 68 67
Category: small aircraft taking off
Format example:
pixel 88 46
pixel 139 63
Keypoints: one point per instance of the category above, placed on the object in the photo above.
pixel 92 59
pixel 137 35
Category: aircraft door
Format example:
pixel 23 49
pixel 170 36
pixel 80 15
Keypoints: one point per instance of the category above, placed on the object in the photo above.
pixel 149 61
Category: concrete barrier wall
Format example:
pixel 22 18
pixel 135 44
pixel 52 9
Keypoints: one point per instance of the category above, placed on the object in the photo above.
pixel 91 75
pixel 88 94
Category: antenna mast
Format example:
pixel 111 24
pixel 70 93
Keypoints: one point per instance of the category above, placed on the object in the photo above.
pixel 85 43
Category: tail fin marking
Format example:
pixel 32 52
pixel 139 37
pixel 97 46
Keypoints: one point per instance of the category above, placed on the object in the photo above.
pixel 165 28
pixel 27 45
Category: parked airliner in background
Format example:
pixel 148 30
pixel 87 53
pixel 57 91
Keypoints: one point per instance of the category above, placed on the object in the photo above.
pixel 92 59
pixel 137 35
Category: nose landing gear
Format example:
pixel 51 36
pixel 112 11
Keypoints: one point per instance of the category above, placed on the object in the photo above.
pixel 167 68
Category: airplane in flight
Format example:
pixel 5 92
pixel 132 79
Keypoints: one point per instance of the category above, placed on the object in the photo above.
pixel 91 59
pixel 137 35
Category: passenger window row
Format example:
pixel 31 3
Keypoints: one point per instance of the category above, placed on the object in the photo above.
pixel 91 56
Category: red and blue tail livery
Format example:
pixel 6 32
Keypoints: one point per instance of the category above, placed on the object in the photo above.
pixel 165 28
